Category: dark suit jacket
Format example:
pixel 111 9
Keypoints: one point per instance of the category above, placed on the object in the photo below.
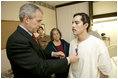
pixel 27 58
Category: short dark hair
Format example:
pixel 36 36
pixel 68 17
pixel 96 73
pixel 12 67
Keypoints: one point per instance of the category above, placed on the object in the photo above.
pixel 51 33
pixel 85 18
pixel 39 28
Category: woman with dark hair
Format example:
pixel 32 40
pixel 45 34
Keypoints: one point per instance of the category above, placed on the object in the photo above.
pixel 58 44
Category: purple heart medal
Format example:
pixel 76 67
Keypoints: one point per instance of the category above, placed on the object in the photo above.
pixel 76 50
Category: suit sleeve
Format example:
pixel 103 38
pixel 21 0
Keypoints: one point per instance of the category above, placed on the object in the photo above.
pixel 48 51
pixel 47 54
pixel 23 54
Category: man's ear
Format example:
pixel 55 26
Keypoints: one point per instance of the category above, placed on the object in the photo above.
pixel 86 25
pixel 26 19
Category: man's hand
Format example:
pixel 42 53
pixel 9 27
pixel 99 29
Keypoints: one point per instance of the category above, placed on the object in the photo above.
pixel 59 54
pixel 103 76
pixel 73 58
pixel 53 76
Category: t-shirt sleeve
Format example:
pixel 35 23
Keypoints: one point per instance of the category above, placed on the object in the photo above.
pixel 70 48
pixel 104 62
pixel 70 75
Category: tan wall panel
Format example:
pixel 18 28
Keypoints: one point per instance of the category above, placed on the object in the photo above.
pixel 103 7
pixel 7 28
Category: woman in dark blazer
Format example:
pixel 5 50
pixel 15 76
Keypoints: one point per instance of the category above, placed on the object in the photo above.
pixel 58 44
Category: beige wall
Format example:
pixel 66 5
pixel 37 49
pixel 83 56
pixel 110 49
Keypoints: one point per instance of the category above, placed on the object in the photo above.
pixel 103 7
pixel 10 11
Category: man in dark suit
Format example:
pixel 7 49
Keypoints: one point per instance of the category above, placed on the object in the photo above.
pixel 24 52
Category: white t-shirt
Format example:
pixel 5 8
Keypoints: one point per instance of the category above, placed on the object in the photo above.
pixel 93 58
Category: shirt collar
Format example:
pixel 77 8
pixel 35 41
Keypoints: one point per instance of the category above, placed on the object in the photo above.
pixel 30 33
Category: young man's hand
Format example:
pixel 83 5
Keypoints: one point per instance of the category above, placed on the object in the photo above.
pixel 73 58
pixel 103 76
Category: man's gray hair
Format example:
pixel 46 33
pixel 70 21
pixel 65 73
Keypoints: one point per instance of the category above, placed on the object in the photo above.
pixel 28 10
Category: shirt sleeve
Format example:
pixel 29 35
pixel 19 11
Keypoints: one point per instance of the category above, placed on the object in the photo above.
pixel 104 62
pixel 70 49
pixel 70 73
pixel 68 60
pixel 70 69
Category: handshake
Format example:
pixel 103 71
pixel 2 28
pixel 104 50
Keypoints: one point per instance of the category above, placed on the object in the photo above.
pixel 73 57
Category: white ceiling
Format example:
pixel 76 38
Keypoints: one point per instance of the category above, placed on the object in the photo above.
pixel 54 3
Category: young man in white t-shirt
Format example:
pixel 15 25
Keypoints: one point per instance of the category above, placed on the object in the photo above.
pixel 94 60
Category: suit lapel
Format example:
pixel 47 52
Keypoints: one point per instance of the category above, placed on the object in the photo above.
pixel 32 41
